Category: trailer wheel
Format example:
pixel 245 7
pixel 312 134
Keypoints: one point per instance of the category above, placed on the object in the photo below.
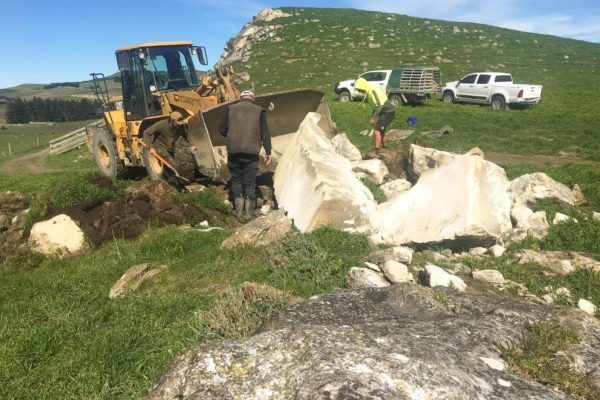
pixel 498 103
pixel 345 97
pixel 448 97
pixel 104 148
pixel 396 100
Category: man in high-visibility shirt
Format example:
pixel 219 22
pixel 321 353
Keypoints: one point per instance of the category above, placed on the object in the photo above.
pixel 384 111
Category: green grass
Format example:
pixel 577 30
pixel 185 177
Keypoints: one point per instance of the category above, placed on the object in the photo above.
pixel 63 338
pixel 378 194
pixel 80 159
pixel 533 357
pixel 25 139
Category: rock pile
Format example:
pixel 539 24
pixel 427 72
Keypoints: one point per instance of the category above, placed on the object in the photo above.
pixel 13 208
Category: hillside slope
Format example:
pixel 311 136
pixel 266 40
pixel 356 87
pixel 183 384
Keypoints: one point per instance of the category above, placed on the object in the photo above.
pixel 314 47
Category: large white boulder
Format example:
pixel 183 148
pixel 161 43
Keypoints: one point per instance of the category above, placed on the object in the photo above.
pixel 464 202
pixel 537 186
pixel 345 148
pixel 316 187
pixel 57 236
pixel 423 159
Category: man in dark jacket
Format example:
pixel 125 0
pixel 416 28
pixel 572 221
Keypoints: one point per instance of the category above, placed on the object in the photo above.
pixel 245 127
pixel 162 137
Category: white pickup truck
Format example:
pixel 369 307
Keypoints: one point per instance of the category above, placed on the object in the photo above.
pixel 493 88
pixel 402 85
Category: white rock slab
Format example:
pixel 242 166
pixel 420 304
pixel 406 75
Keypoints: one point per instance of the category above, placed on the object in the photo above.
pixel 463 202
pixel 559 217
pixel 393 189
pixel 537 186
pixel 374 168
pixel 395 272
pixel 490 276
pixel 364 278
pixel 345 148
pixel 587 306
pixel 315 185
pixel 436 276
pixel 57 236
pixel 423 159
pixel 497 250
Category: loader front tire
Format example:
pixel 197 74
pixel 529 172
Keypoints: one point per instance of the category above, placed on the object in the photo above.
pixel 104 148
pixel 185 162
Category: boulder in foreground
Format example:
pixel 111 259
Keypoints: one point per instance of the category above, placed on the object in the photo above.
pixel 57 236
pixel 399 342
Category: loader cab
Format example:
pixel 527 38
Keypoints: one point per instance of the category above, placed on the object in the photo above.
pixel 147 70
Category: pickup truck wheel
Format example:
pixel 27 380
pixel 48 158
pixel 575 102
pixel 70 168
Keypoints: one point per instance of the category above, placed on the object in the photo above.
pixel 396 100
pixel 448 97
pixel 345 97
pixel 498 103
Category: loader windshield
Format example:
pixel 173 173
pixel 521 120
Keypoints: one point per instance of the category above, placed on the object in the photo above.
pixel 169 68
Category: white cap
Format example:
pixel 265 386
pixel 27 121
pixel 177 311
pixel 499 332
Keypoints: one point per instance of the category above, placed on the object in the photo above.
pixel 247 93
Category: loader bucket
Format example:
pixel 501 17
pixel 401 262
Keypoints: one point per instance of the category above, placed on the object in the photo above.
pixel 285 112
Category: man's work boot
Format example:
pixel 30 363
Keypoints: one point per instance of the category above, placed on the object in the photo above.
pixel 238 204
pixel 250 205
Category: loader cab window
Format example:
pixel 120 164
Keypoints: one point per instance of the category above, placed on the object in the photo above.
pixel 170 68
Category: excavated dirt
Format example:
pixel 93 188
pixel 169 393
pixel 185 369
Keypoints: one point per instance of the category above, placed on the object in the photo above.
pixel 130 214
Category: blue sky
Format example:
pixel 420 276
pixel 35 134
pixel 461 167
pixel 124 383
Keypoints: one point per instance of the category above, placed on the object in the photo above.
pixel 64 40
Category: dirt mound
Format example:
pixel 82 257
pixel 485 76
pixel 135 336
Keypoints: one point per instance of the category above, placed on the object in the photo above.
pixel 130 214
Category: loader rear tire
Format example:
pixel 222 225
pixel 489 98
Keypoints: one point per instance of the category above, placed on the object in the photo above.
pixel 104 148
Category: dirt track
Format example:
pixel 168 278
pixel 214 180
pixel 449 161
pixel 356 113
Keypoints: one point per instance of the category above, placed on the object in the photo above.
pixel 30 164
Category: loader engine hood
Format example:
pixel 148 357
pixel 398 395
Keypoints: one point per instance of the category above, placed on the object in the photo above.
pixel 285 112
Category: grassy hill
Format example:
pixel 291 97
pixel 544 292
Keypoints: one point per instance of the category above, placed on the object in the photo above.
pixel 318 47
pixel 30 90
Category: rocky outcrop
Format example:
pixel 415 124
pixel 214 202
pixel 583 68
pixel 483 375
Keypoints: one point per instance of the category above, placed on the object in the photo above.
pixel 57 236
pixel 316 187
pixel 260 231
pixel 393 189
pixel 239 47
pixel 462 203
pixel 401 342
pixel 374 169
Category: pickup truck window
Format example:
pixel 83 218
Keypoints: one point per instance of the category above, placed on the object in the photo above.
pixel 469 79
pixel 503 78
pixel 483 78
pixel 374 76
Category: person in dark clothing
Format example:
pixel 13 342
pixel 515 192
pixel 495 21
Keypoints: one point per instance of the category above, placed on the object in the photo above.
pixel 162 136
pixel 245 128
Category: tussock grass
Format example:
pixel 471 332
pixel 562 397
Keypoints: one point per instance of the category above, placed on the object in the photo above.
pixel 534 358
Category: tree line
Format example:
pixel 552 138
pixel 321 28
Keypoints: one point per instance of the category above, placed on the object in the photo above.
pixel 51 110
pixel 59 84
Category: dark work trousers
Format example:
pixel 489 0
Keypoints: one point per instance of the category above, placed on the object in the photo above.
pixel 168 172
pixel 243 168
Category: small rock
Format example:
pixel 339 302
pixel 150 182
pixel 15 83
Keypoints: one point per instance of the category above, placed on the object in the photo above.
pixel 365 278
pixel 395 272
pixel 563 291
pixel 494 363
pixel 586 306
pixel 432 276
pixel 264 210
pixel 497 250
pixel 558 218
pixel 490 276
pixel 447 252
pixel 459 268
pixel 596 216
pixel 132 279
pixel 59 235
pixel 203 224
pixel 434 255
pixel 580 199
pixel 398 253
pixel 478 251
pixel 260 231
pixel 375 168
pixel 549 298
pixel 372 266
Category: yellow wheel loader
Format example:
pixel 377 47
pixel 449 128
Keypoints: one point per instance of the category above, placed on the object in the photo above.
pixel 159 78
